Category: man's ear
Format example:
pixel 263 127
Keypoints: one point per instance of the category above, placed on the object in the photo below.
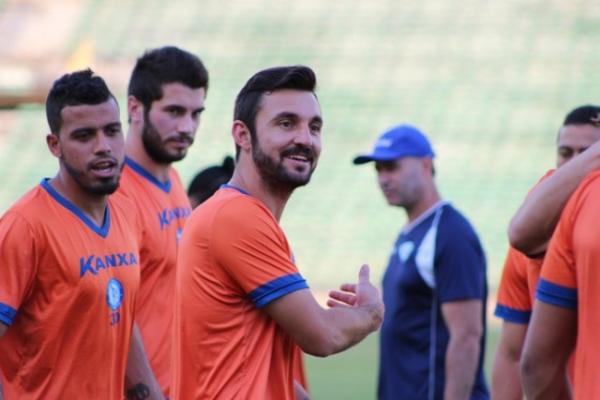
pixel 241 135
pixel 135 110
pixel 428 165
pixel 53 145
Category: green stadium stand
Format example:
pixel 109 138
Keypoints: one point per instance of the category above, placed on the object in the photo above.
pixel 489 82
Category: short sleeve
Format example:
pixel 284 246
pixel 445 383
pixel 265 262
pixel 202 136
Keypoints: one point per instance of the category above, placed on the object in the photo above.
pixel 558 284
pixel 460 262
pixel 514 299
pixel 17 264
pixel 248 243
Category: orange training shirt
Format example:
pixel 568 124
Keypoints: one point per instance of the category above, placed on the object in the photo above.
pixel 517 287
pixel 570 277
pixel 163 208
pixel 67 294
pixel 520 276
pixel 234 259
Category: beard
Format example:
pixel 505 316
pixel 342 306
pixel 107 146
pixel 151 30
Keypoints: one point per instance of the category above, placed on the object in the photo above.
pixel 101 187
pixel 275 174
pixel 155 146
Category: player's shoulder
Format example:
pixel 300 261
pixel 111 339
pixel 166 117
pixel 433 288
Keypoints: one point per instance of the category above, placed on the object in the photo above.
pixel 127 173
pixel 133 187
pixel 591 183
pixel 129 185
pixel 32 206
pixel 516 263
pixel 31 215
pixel 233 204
pixel 589 188
pixel 235 212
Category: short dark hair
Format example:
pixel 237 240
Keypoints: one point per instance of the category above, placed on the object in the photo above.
pixel 247 102
pixel 587 114
pixel 208 181
pixel 161 66
pixel 76 88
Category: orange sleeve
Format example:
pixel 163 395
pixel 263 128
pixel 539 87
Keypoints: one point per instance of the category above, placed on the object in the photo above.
pixel 558 279
pixel 252 249
pixel 514 301
pixel 18 264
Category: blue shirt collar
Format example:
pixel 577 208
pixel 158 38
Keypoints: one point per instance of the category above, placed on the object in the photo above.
pixel 164 186
pixel 228 186
pixel 100 230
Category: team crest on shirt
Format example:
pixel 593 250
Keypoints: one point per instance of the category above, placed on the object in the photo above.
pixel 405 250
pixel 114 294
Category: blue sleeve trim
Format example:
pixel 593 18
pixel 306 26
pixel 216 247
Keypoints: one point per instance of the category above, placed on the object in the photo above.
pixel 512 315
pixel 556 295
pixel 7 314
pixel 278 287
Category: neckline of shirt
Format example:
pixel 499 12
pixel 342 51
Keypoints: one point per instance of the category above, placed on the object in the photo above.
pixel 427 213
pixel 69 205
pixel 228 186
pixel 164 186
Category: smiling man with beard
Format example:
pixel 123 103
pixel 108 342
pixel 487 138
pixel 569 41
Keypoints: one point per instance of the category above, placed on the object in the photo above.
pixel 166 92
pixel 243 311
pixel 69 270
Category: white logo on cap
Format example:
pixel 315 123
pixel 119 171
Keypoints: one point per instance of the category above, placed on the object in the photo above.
pixel 383 142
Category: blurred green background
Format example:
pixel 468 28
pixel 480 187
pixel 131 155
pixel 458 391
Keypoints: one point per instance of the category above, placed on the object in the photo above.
pixel 489 81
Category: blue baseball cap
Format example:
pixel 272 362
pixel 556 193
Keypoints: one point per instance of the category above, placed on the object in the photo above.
pixel 398 141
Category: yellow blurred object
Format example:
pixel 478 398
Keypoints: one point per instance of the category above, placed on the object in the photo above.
pixel 82 57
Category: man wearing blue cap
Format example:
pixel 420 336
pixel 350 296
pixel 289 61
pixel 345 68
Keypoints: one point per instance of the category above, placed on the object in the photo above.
pixel 434 289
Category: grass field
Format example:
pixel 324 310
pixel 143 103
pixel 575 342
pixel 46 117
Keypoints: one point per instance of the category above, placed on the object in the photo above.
pixel 490 82
pixel 352 375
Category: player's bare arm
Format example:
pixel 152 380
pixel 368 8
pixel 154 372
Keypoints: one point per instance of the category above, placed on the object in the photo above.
pixel 354 312
pixel 506 376
pixel 140 381
pixel 549 342
pixel 463 319
pixel 531 227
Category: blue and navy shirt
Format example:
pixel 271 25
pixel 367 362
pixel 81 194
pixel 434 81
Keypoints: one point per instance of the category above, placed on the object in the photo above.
pixel 436 259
